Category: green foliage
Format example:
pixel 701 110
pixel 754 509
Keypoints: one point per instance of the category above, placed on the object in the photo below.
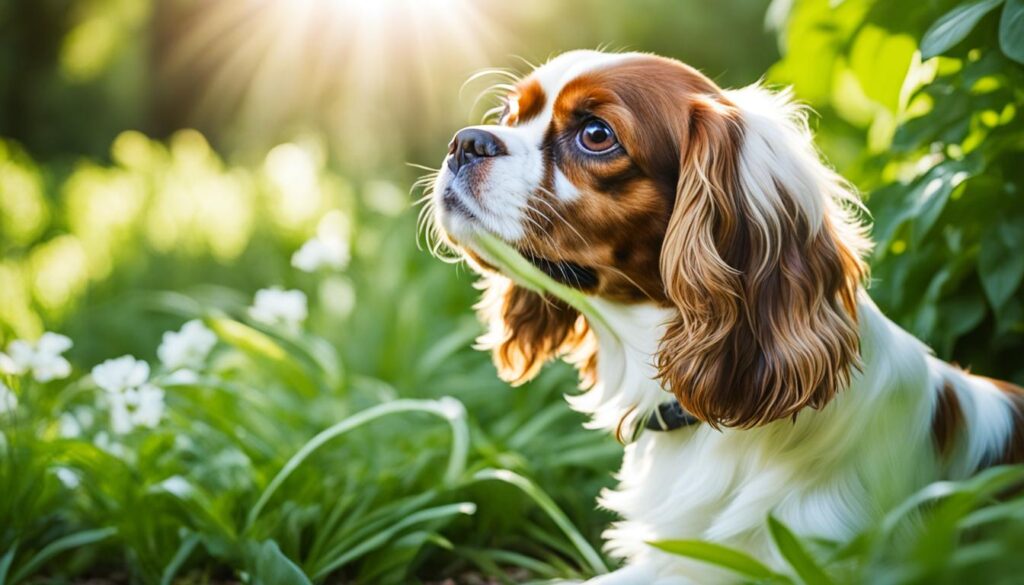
pixel 949 532
pixel 941 169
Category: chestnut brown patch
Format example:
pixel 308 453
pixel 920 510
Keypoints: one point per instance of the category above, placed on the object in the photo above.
pixel 766 321
pixel 530 102
pixel 614 228
pixel 526 330
pixel 948 419
pixel 1014 452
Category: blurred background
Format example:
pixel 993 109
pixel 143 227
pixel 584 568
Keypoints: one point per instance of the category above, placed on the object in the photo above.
pixel 164 159
pixel 150 145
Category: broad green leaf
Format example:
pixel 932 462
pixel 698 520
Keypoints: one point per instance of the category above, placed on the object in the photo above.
pixel 932 191
pixel 270 566
pixel 880 61
pixel 1000 265
pixel 720 556
pixel 796 554
pixel 954 26
pixel 1011 30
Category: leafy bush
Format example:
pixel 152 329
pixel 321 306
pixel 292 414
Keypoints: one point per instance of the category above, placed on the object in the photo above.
pixel 920 105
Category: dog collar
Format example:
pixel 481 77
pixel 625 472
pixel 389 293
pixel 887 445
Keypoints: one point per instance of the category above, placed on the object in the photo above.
pixel 670 416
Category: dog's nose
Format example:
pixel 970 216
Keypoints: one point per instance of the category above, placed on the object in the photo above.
pixel 471 144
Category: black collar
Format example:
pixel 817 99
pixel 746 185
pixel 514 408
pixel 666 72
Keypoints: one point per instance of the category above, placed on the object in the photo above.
pixel 670 416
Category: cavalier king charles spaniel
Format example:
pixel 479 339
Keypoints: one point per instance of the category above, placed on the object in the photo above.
pixel 740 357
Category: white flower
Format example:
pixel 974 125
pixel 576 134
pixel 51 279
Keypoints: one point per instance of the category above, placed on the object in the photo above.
pixel 133 401
pixel 276 306
pixel 42 358
pixel 188 347
pixel 104 442
pixel 322 252
pixel 72 425
pixel 136 407
pixel 182 377
pixel 120 374
pixel 68 426
pixel 8 401
pixel 67 476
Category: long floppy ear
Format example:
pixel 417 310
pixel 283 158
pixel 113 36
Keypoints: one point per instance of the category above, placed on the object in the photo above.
pixel 525 330
pixel 763 264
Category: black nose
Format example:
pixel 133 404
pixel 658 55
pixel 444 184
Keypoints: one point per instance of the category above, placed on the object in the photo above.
pixel 471 144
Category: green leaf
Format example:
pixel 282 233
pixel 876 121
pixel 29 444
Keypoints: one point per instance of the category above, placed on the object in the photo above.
pixel 1011 30
pixel 796 554
pixel 5 563
pixel 880 61
pixel 69 542
pixel 447 408
pixel 553 511
pixel 954 26
pixel 386 534
pixel 265 350
pixel 720 556
pixel 270 566
pixel 1000 265
pixel 180 556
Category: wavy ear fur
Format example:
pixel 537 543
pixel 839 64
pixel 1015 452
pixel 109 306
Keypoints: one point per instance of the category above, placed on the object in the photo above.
pixel 762 263
pixel 526 330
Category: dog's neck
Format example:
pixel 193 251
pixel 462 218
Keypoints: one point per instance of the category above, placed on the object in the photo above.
pixel 627 390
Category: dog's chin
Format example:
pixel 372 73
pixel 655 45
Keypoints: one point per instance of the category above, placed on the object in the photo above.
pixel 462 225
pixel 564 272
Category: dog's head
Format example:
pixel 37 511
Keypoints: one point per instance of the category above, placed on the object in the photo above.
pixel 636 179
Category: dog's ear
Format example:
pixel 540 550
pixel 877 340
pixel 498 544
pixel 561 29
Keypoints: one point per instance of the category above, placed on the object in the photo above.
pixel 763 263
pixel 525 330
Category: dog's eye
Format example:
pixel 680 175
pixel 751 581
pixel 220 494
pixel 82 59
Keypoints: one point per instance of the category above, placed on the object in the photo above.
pixel 596 137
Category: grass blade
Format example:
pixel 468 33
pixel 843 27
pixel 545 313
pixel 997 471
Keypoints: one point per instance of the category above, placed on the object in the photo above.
pixel 5 563
pixel 449 409
pixel 720 556
pixel 796 554
pixel 69 542
pixel 388 533
pixel 552 510
pixel 172 568
pixel 531 277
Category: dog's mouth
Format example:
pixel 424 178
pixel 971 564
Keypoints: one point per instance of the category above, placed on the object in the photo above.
pixel 564 272
pixel 453 204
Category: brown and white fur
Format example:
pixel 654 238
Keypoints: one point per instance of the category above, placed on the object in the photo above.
pixel 728 261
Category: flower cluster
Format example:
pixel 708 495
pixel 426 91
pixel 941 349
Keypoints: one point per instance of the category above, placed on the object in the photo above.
pixel 329 248
pixel 132 399
pixel 278 307
pixel 42 358
pixel 322 252
pixel 8 401
pixel 183 352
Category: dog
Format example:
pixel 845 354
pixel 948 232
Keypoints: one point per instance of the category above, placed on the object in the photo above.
pixel 741 357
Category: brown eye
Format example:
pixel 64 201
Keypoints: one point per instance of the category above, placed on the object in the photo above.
pixel 596 137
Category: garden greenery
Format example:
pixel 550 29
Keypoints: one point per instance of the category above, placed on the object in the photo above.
pixel 259 377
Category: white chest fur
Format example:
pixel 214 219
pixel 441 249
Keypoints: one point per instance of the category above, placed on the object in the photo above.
pixel 828 473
